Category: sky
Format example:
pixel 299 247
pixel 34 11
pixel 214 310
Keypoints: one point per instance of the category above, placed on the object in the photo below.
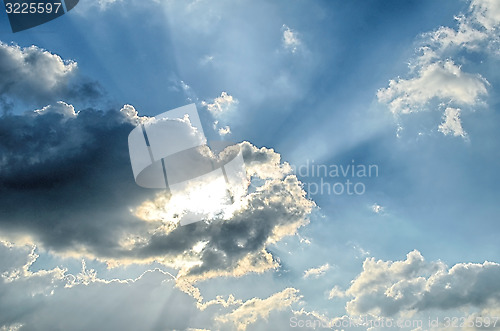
pixel 369 133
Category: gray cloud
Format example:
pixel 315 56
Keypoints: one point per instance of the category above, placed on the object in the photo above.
pixel 66 185
pixel 57 300
pixel 34 76
pixel 66 182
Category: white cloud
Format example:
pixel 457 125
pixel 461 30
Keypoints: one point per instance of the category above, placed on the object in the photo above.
pixel 221 105
pixel 377 208
pixel 317 272
pixel 131 115
pixel 441 80
pixel 386 288
pixel 436 76
pixel 476 31
pixel 464 36
pixel 256 308
pixel 32 73
pixel 487 13
pixel 290 39
pixel 452 123
pixel 61 108
pixel 225 130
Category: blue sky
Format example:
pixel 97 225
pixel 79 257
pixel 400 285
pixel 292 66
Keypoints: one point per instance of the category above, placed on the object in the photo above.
pixel 408 86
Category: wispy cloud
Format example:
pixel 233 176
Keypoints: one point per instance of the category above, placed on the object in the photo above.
pixel 255 308
pixel 377 209
pixel 317 272
pixel 336 292
pixel 291 41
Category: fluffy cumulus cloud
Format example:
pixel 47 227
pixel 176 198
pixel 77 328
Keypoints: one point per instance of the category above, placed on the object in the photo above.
pixel 441 80
pixel 34 76
pixel 400 288
pixel 437 79
pixel 253 309
pixel 224 130
pixel 221 105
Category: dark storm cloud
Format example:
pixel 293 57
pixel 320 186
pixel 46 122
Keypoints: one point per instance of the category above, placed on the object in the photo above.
pixel 66 179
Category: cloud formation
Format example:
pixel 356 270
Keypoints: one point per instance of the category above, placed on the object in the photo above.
pixel 32 73
pixel 441 80
pixel 317 272
pixel 386 288
pixel 67 184
pixel 236 244
pixel 253 309
pixel 437 79
pixel 34 76
pixel 40 300
pixel 34 300
pixel 221 105
pixel 452 123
